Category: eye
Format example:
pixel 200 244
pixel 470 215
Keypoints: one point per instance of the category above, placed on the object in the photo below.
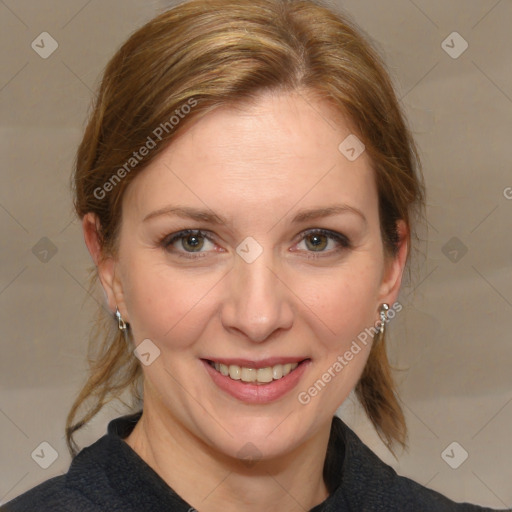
pixel 195 243
pixel 188 242
pixel 323 241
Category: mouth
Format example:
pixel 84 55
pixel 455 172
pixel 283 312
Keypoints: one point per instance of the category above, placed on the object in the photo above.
pixel 254 373
pixel 257 382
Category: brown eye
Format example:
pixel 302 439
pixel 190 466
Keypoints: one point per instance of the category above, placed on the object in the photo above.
pixel 189 243
pixel 324 242
pixel 192 243
pixel 316 242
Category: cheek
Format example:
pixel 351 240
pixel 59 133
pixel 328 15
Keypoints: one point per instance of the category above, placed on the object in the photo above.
pixel 173 307
pixel 343 302
pixel 167 306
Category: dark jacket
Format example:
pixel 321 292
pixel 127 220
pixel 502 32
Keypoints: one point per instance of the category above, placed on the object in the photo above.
pixel 109 476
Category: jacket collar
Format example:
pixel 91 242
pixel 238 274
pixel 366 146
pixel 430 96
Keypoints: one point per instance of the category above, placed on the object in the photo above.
pixel 100 466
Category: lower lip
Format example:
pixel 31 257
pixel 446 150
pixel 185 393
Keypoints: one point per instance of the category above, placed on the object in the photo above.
pixel 257 393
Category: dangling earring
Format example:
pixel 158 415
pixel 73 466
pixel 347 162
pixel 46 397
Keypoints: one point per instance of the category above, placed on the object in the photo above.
pixel 123 326
pixel 383 317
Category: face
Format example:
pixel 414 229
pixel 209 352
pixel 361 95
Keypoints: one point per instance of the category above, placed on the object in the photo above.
pixel 254 243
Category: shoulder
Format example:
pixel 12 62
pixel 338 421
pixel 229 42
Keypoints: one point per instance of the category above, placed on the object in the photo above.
pixel 72 492
pixel 371 484
pixel 107 475
pixel 52 495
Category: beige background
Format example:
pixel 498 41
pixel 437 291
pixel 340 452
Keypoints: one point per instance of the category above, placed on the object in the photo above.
pixel 454 335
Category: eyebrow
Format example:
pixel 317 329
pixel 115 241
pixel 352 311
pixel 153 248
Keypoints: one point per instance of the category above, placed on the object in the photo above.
pixel 328 211
pixel 209 216
pixel 187 212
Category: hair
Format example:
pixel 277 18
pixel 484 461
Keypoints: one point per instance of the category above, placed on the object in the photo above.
pixel 212 53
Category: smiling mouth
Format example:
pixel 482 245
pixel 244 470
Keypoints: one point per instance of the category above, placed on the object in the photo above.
pixel 255 375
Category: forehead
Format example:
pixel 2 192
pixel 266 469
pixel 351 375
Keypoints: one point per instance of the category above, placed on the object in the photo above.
pixel 270 156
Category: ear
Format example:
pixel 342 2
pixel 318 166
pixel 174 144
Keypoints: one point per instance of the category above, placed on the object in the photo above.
pixel 394 268
pixel 106 266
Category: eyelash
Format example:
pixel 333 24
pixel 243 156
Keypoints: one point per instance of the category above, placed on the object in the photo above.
pixel 341 239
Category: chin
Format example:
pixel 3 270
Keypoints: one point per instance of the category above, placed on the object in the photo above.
pixel 253 437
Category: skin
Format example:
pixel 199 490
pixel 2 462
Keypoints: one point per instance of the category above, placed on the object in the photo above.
pixel 257 167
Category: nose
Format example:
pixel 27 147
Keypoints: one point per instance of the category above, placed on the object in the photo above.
pixel 258 303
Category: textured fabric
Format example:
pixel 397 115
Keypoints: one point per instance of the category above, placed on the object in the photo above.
pixel 109 476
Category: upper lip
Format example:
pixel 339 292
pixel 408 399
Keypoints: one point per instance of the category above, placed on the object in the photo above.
pixel 252 363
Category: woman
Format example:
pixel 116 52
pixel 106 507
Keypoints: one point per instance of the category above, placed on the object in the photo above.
pixel 248 191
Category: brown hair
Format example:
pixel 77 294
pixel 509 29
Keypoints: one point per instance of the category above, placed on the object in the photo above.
pixel 209 53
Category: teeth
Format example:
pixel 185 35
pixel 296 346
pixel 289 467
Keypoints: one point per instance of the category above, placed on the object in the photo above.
pixel 277 371
pixel 264 374
pixel 260 375
pixel 234 372
pixel 248 374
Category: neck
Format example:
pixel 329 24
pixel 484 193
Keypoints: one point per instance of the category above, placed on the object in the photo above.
pixel 211 482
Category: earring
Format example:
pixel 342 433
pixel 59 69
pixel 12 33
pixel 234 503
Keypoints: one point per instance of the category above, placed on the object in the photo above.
pixel 120 322
pixel 383 316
